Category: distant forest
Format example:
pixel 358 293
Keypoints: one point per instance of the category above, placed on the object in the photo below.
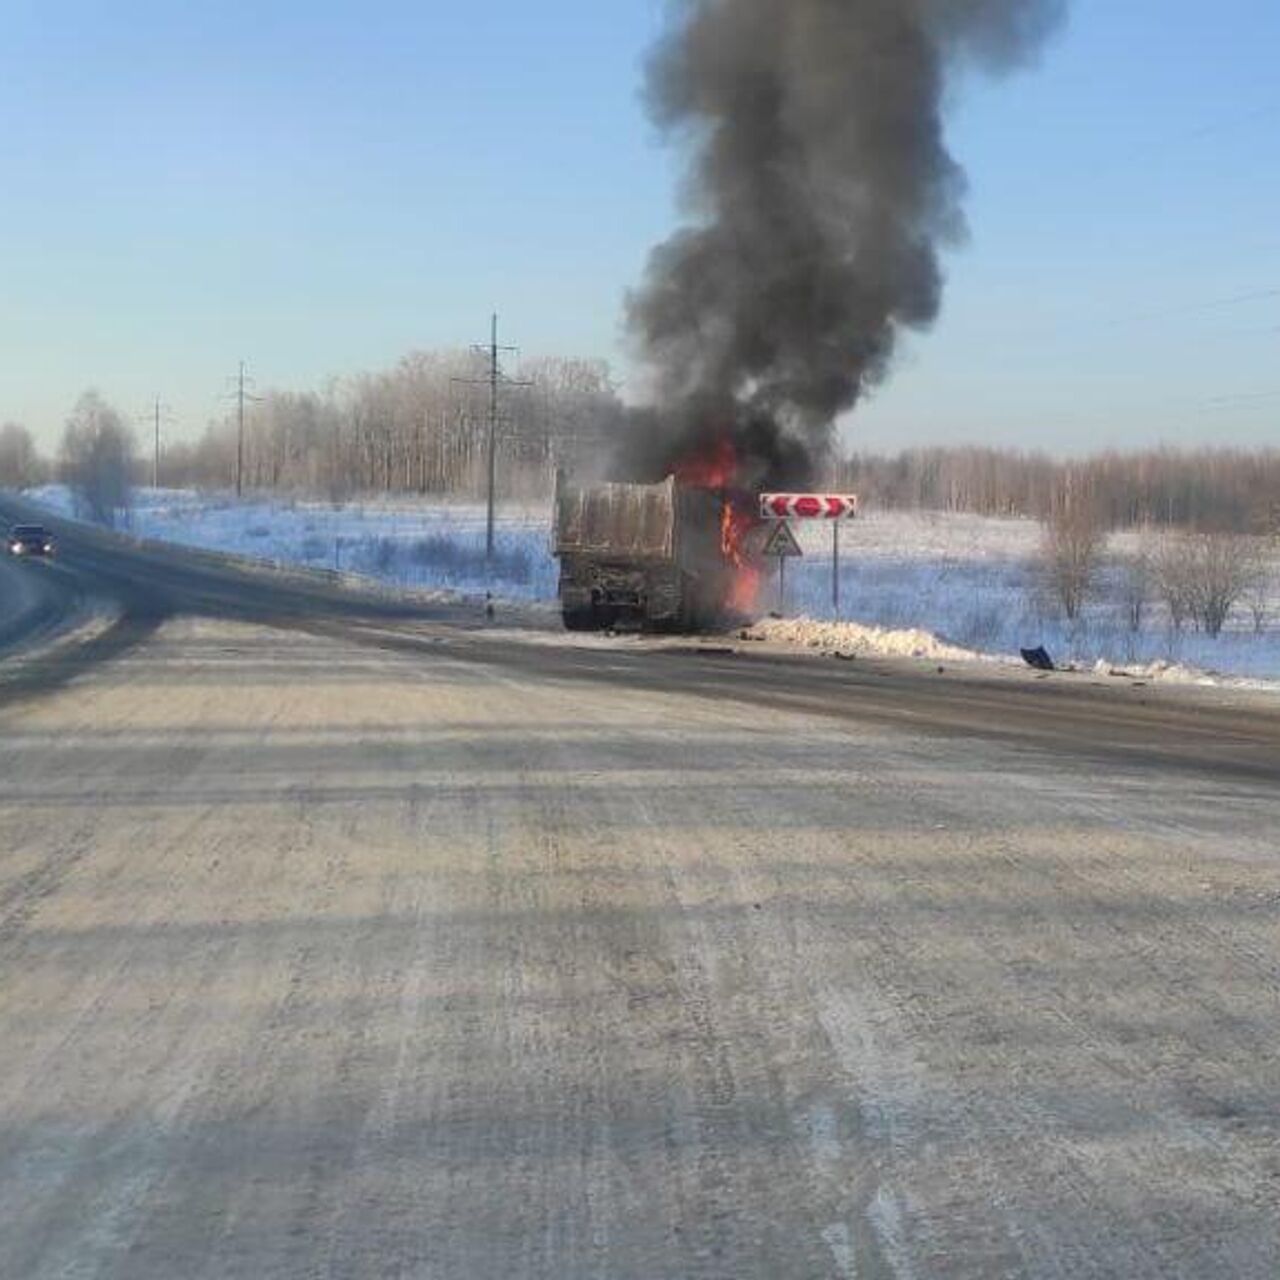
pixel 421 428
pixel 1216 490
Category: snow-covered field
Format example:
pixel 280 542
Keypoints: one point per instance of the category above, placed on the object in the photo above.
pixel 975 583
pixel 969 583
pixel 439 545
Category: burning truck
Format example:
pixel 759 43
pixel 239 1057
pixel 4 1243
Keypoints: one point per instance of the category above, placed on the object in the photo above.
pixel 821 194
pixel 674 556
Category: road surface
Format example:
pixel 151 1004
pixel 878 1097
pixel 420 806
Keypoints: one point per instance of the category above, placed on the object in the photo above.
pixel 342 937
pixel 36 599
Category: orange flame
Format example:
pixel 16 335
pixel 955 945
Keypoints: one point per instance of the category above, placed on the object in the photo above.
pixel 717 469
pixel 735 524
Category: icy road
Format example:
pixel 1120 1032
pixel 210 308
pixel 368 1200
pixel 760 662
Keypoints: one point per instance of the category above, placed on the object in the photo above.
pixel 343 938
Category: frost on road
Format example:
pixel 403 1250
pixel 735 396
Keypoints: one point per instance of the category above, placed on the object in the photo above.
pixel 320 956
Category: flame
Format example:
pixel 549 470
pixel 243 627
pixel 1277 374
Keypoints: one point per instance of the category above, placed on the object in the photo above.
pixel 717 469
pixel 735 525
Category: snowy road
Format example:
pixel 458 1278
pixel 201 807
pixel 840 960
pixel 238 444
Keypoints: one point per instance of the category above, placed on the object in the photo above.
pixel 339 938
pixel 36 600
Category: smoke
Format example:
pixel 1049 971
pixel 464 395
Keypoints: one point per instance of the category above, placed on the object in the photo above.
pixel 821 192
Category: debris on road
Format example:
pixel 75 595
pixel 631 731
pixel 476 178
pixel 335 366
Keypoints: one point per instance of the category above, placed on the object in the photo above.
pixel 1039 659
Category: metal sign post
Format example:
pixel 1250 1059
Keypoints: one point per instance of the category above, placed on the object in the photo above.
pixel 782 545
pixel 835 568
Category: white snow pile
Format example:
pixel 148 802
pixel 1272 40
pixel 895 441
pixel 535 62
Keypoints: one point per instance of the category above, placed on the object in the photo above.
pixel 1170 672
pixel 855 638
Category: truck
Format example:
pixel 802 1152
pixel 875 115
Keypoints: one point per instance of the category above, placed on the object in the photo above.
pixel 653 557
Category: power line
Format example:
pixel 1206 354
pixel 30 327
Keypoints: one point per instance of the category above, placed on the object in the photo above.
pixel 1208 129
pixel 1191 308
pixel 1054 330
pixel 1246 397
pixel 1258 295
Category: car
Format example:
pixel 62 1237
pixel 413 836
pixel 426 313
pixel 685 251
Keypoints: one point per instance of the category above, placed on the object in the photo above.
pixel 30 540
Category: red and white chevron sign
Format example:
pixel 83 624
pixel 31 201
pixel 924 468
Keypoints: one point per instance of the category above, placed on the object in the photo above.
pixel 808 506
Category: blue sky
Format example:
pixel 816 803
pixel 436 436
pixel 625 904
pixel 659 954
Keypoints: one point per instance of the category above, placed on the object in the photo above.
pixel 318 189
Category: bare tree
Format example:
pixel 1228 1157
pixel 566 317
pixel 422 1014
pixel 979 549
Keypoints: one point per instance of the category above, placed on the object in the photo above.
pixel 20 464
pixel 1258 596
pixel 1136 583
pixel 98 458
pixel 1225 565
pixel 1075 538
pixel 1175 572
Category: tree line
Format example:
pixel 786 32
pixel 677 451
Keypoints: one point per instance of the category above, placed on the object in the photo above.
pixel 421 427
pixel 1223 490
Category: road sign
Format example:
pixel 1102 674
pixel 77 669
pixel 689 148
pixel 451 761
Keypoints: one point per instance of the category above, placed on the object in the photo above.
pixel 808 506
pixel 782 543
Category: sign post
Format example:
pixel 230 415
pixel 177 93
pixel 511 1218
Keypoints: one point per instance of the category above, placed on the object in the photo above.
pixel 782 545
pixel 836 507
pixel 835 568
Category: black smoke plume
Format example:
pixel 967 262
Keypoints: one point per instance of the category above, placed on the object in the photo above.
pixel 820 192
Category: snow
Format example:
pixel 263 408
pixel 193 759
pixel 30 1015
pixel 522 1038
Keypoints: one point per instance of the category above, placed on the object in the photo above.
pixel 413 544
pixel 855 638
pixel 928 584
pixel 973 583
pixel 1170 672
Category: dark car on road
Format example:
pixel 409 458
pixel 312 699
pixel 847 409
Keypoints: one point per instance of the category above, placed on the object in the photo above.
pixel 30 540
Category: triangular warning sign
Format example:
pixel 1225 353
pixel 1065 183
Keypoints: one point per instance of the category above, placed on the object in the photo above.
pixel 782 542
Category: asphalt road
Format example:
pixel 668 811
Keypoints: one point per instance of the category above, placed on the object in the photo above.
pixel 36 599
pixel 341 937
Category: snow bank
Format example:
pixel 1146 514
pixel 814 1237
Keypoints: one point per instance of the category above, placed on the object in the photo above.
pixel 855 638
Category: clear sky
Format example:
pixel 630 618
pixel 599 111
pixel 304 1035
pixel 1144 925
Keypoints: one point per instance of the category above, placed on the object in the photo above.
pixel 320 188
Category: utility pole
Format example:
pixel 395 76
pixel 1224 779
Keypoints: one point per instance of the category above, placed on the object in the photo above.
pixel 495 381
pixel 240 391
pixel 240 435
pixel 494 374
pixel 159 415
